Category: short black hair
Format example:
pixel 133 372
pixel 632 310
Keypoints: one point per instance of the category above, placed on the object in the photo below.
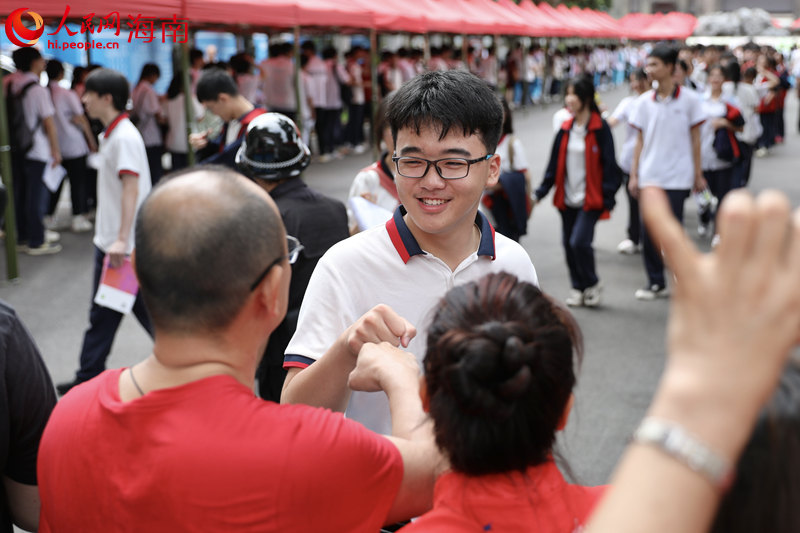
pixel 106 81
pixel 448 100
pixel 54 69
pixel 195 54
pixel 150 69
pixel 214 82
pixel 666 53
pixel 24 58
pixel 195 262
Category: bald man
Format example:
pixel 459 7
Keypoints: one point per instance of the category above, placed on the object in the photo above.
pixel 179 442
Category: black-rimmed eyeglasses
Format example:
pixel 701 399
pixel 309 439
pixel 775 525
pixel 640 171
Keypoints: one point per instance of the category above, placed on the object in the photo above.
pixel 449 168
pixel 294 248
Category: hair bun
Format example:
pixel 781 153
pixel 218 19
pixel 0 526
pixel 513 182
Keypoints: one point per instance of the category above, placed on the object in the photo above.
pixel 491 373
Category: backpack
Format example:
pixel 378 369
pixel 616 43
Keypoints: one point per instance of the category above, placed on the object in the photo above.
pixel 21 135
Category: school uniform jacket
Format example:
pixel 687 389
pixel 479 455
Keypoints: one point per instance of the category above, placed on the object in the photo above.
pixel 603 176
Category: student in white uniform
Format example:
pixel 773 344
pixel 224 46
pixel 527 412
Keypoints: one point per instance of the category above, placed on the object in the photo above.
pixel 667 152
pixel 622 115
pixel 76 140
pixel 123 182
pixel 381 284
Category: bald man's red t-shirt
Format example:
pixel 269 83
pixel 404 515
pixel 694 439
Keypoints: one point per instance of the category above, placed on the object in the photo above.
pixel 209 456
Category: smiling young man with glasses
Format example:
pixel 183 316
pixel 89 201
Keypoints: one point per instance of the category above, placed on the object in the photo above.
pixel 381 284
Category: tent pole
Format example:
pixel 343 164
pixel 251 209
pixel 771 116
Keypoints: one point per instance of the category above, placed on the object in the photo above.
pixel 188 108
pixel 88 48
pixel 297 92
pixel 373 60
pixel 5 170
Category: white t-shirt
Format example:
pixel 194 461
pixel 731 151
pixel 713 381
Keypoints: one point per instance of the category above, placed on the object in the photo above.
pixel 746 99
pixel 667 160
pixel 121 151
pixel 146 106
pixel 175 112
pixel 368 181
pixel 520 161
pixel 623 114
pixel 713 109
pixel 279 91
pixel 386 265
pixel 575 182
pixel 318 74
pixel 357 89
pixel 37 106
pixel 71 140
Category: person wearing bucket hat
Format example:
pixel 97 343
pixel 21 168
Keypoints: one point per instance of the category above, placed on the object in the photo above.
pixel 274 156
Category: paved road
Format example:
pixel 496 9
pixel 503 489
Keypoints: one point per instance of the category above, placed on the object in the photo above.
pixel 624 339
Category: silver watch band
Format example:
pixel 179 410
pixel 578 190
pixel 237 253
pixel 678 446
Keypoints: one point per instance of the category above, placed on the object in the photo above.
pixel 679 444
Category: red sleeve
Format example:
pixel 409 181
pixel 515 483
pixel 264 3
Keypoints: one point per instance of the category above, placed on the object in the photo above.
pixel 351 474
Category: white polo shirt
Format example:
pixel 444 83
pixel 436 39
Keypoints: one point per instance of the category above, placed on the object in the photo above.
pixel 623 114
pixel 37 106
pixel 121 151
pixel 667 160
pixel 385 265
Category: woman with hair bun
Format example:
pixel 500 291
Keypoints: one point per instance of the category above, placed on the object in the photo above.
pixel 499 373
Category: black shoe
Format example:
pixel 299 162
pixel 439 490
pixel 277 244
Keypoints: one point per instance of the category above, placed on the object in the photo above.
pixel 63 388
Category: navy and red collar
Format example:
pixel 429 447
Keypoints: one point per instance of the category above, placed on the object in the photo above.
pixel 676 92
pixel 114 123
pixel 407 246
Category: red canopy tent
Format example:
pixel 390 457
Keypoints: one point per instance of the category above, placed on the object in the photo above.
pixel 575 19
pixel 670 26
pixel 607 26
pixel 796 24
pixel 549 26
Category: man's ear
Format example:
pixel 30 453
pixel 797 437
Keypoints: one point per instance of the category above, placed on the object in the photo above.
pixel 269 290
pixel 494 170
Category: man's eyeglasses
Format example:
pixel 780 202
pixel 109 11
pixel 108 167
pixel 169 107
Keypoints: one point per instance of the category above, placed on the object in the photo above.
pixel 294 247
pixel 451 168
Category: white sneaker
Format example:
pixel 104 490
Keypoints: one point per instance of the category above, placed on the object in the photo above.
pixel 45 248
pixel 51 222
pixel 651 293
pixel 593 295
pixel 81 224
pixel 575 298
pixel 325 158
pixel 51 236
pixel 360 149
pixel 762 152
pixel 628 247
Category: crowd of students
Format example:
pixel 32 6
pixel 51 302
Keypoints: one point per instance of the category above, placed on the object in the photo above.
pixel 429 332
